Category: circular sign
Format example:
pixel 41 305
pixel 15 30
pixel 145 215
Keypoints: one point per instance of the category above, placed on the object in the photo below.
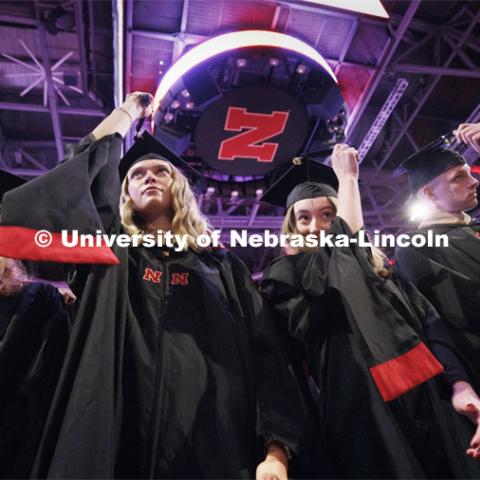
pixel 251 131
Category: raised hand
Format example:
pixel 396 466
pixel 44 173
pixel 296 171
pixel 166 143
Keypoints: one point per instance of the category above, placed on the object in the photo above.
pixel 469 133
pixel 139 104
pixel 345 161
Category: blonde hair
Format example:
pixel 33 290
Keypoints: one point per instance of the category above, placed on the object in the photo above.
pixel 12 276
pixel 187 219
pixel 378 258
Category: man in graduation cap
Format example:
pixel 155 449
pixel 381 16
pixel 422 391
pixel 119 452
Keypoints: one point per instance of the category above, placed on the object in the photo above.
pixel 173 369
pixel 449 276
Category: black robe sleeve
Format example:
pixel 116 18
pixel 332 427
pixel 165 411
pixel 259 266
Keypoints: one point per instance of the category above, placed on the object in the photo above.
pixel 81 193
pixel 438 337
pixel 32 348
pixel 389 344
pixel 448 278
pixel 301 304
pixel 281 410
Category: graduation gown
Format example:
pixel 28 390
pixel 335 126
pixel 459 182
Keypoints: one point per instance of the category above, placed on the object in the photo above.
pixel 440 436
pixel 366 437
pixel 34 332
pixel 450 278
pixel 173 370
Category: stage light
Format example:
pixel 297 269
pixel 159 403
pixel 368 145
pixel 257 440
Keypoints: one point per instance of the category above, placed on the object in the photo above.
pixel 189 105
pixel 241 62
pixel 175 104
pixel 274 62
pixel 369 7
pixel 419 210
pixel 259 194
pixel 232 41
pixel 168 117
pixel 210 193
pixel 301 69
pixel 185 93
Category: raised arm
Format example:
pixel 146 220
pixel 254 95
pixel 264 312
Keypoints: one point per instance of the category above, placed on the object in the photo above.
pixel 123 117
pixel 345 166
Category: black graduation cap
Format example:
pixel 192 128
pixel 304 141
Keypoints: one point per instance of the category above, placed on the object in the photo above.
pixel 429 162
pixel 9 181
pixel 304 178
pixel 146 144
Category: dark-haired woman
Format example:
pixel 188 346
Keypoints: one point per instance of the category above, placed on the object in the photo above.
pixel 364 338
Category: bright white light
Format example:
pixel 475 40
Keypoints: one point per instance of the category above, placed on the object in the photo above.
pixel 301 69
pixel 189 105
pixel 168 117
pixel 369 7
pixel 419 210
pixel 232 41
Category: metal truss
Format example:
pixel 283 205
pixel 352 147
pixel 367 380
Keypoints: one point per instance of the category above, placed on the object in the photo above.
pixel 454 36
pixel 40 75
pixel 440 69
pixel 43 72
pixel 382 117
pixel 386 58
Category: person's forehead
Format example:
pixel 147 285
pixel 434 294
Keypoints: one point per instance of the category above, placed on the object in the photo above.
pixel 312 204
pixel 150 163
pixel 451 172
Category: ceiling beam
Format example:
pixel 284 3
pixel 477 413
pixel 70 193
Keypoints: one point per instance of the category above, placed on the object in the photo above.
pixel 20 21
pixel 118 52
pixel 399 136
pixel 441 71
pixel 52 98
pixel 128 45
pixel 347 44
pixel 79 26
pixel 384 63
pixel 26 107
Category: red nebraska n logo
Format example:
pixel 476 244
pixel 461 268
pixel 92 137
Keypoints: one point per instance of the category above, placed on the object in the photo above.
pixel 152 275
pixel 248 144
pixel 179 279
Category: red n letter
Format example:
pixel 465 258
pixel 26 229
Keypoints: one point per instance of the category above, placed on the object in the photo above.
pixel 152 275
pixel 179 279
pixel 247 144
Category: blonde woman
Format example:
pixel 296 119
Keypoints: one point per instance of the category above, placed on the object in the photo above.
pixel 34 332
pixel 173 370
pixel 363 336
